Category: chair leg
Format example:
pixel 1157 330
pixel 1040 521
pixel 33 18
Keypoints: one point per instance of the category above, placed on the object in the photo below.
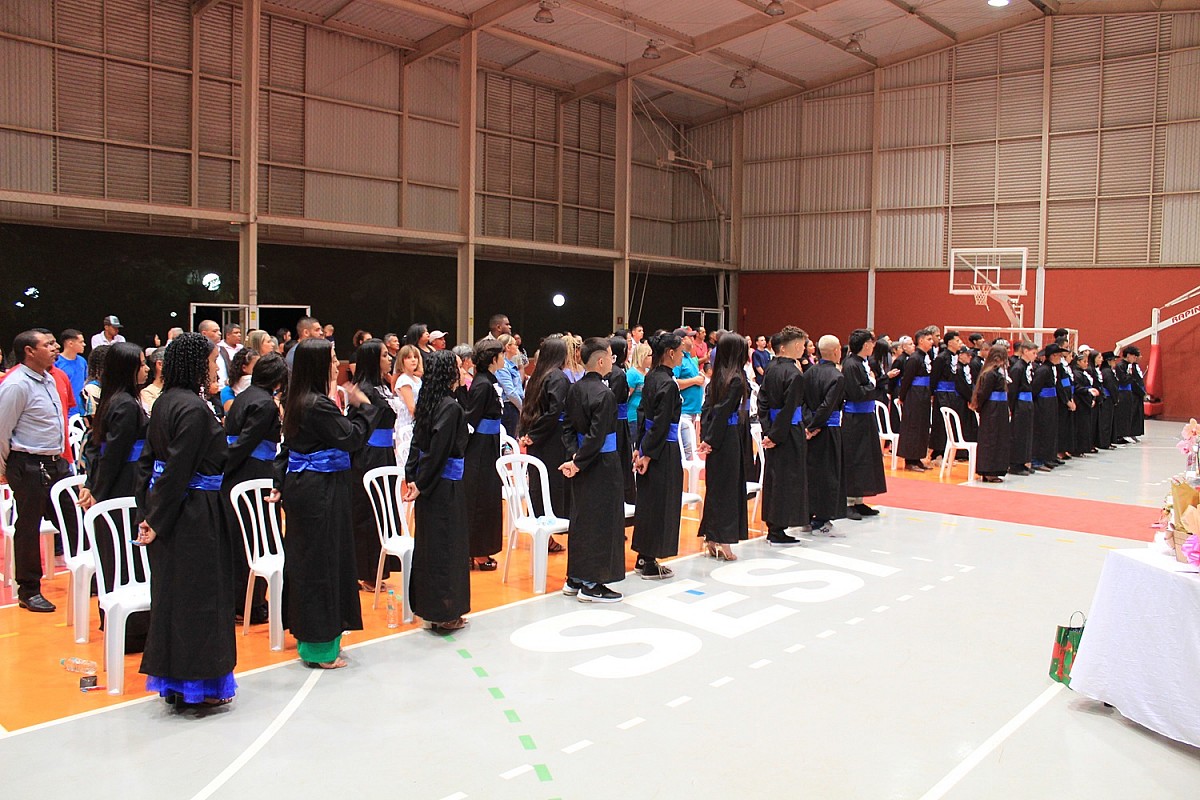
pixel 79 606
pixel 512 545
pixel 70 598
pixel 541 540
pixel 405 581
pixel 246 605
pixel 379 577
pixel 275 598
pixel 114 651
pixel 971 452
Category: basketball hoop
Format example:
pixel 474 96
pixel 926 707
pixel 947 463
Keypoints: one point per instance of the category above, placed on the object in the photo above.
pixel 981 292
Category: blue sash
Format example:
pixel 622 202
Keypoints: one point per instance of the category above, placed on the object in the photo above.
pixel 382 437
pixel 998 397
pixel 266 450
pixel 922 381
pixel 489 427
pixel 943 386
pixel 1025 397
pixel 859 407
pixel 1126 387
pixel 672 431
pixel 835 420
pixel 453 471
pixel 331 460
pixel 797 415
pixel 609 446
pixel 1048 392
pixel 135 450
pixel 1107 393
pixel 734 418
pixel 622 410
pixel 1066 382
pixel 203 483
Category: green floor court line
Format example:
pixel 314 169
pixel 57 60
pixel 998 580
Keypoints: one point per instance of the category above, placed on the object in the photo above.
pixel 511 715
pixel 496 693
pixel 480 672
pixel 527 742
pixel 543 772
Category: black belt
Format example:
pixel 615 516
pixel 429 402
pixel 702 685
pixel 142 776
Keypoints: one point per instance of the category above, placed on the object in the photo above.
pixel 55 457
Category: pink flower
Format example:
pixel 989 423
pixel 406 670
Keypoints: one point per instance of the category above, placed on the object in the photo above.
pixel 1191 549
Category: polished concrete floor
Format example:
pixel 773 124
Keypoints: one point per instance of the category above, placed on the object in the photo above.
pixel 906 660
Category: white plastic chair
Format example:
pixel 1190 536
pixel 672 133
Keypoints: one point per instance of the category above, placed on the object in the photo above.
pixel 883 422
pixel 692 466
pixel 524 517
pixel 8 526
pixel 384 486
pixel 508 445
pixel 263 544
pixel 129 594
pixel 955 442
pixel 77 554
pixel 343 396
pixel 76 430
pixel 755 487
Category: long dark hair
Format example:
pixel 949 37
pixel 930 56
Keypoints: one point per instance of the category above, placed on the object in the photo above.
pixel 237 366
pixel 997 357
pixel 95 362
pixel 441 373
pixel 366 365
pixel 727 366
pixel 121 366
pixel 660 344
pixel 270 373
pixel 620 348
pixel 551 356
pixel 185 364
pixel 310 380
pixel 413 336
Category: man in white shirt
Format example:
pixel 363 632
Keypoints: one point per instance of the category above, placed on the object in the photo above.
pixel 212 331
pixel 111 333
pixel 228 346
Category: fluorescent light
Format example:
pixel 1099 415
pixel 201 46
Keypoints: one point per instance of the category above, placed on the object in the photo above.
pixel 997 3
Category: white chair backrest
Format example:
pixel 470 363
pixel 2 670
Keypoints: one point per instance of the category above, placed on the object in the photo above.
pixel 883 419
pixel 114 520
pixel 64 498
pixel 686 425
pixel 899 408
pixel 508 445
pixel 76 428
pixel 8 510
pixel 514 472
pixel 258 519
pixel 952 422
pixel 384 487
pixel 343 399
pixel 753 400
pixel 756 439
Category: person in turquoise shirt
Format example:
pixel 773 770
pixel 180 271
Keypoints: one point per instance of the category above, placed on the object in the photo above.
pixel 691 390
pixel 635 376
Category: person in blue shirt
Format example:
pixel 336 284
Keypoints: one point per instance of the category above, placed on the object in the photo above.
pixel 760 358
pixel 72 362
pixel 635 376
pixel 691 390
pixel 512 385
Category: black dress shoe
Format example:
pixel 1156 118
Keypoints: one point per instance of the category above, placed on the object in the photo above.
pixel 1044 468
pixel 36 603
pixel 866 510
pixel 1020 471
pixel 852 513
pixel 915 468
pixel 487 565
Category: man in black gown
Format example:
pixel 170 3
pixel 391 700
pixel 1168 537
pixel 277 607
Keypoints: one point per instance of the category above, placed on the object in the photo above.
pixel 1020 404
pixel 781 414
pixel 824 390
pixel 915 400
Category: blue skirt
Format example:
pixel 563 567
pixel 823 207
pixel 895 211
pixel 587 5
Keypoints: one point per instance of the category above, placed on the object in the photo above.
pixel 221 688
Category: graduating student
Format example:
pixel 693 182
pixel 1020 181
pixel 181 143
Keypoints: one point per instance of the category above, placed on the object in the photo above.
pixel 190 648
pixel 440 587
pixel 1066 406
pixel 723 521
pixel 942 375
pixel 593 465
pixel 1020 405
pixel 619 386
pixel 541 424
pixel 914 397
pixel 320 586
pixel 1087 398
pixel 1137 380
pixel 824 392
pixel 862 460
pixel 965 379
pixel 253 429
pixel 657 462
pixel 991 401
pixel 1109 389
pixel 1045 389
pixel 481 482
pixel 1126 399
pixel 785 442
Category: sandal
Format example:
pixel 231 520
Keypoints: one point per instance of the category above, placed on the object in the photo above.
pixel 337 663
pixel 487 565
pixel 710 549
pixel 554 547
pixel 217 701
pixel 443 628
pixel 724 553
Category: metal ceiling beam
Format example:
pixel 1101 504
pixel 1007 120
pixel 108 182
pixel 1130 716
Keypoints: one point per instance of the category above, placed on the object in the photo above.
pixel 832 42
pixel 198 6
pixel 925 18
pixel 750 64
pixel 283 12
pixel 635 23
pixel 427 12
pixel 1048 7
pixel 479 20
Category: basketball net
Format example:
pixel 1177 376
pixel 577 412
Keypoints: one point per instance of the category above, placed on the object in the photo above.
pixel 982 292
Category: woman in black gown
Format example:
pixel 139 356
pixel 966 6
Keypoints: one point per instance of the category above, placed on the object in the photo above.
pixel 191 648
pixel 657 462
pixel 320 590
pixel 991 401
pixel 724 521
pixel 618 384
pixel 371 365
pixel 541 426
pixel 440 588
pixel 485 514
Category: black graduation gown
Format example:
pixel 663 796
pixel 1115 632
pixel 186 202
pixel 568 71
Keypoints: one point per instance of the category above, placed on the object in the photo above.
pixel 252 419
pixel 914 424
pixel 941 376
pixel 893 389
pixel 320 582
pixel 823 394
pixel 1066 417
pixel 1137 425
pixel 1021 422
pixel 995 439
pixel 724 518
pixel 191 633
pixel 619 386
pixel 785 482
pixel 112 474
pixel 964 383
pixel 440 584
pixel 546 433
pixel 597 551
pixel 660 490
pixel 1108 404
pixel 481 482
pixel 1045 414
pixel 366 532
pixel 862 458
pixel 1126 397
pixel 1085 412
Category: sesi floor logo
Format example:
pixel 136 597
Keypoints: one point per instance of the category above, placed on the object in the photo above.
pixel 676 601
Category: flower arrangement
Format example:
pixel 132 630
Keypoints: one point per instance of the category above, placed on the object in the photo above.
pixel 1188 444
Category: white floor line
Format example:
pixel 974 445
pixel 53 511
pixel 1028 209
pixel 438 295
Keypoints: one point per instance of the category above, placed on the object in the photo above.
pixel 575 748
pixel 762 662
pixel 631 723
pixel 795 648
pixel 880 609
pixel 456 796
pixel 678 701
pixel 719 682
pixel 264 737
pixel 995 740
pixel 515 771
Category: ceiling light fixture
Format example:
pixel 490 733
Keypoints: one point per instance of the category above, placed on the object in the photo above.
pixel 651 51
pixel 738 81
pixel 775 9
pixel 997 3
pixel 854 45
pixel 545 12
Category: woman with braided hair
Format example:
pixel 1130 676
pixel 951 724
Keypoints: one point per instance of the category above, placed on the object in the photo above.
pixel 190 648
pixel 440 591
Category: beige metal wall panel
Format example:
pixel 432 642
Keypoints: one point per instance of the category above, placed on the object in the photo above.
pixel 590 125
pixel 351 139
pixel 81 168
pixel 429 208
pixel 1073 165
pixel 28 162
pixel 431 153
pixel 522 168
pixel 934 68
pixel 127 102
pixel 1017 226
pixel 974 106
pixel 836 125
pixel 128 173
pixel 1076 40
pixel 835 241
pixel 772 187
pixel 1183 87
pixel 170 178
pixel 1075 98
pixel 28 98
pixel 650 236
pixel 712 142
pixel 587 228
pixel 692 199
pixel 171 34
pixel 701 240
pixel 1182 158
pixel 652 192
pixel 1021 50
pixel 1020 105
pixel 545 172
pixel 1185 30
pixel 494 163
pixel 860 85
pixel 79 82
pixel 220 41
pixel 284 66
pixel 431 89
pixel 773 131
pixel 216 117
pixel 284 115
pixel 1019 168
pixel 771 243
pixel 342 199
pixel 1123 233
pixel 1127 161
pixel 973 226
pixel 913 117
pixel 973 173
pixel 1129 35
pixel 977 59
pixel 1128 92
pixel 1071 233
pixel 1180 233
pixel 284 192
pixel 216 178
pixel 838 183
pixel 32 18
pixel 171 98
pixel 345 68
pixel 912 239
pixel 912 177
pixel 651 140
pixel 127 28
pixel 79 23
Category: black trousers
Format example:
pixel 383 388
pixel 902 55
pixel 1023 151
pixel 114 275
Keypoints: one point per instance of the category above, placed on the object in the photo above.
pixel 30 478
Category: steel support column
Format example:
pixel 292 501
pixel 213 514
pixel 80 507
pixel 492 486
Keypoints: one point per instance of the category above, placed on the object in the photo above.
pixel 623 200
pixel 248 231
pixel 468 84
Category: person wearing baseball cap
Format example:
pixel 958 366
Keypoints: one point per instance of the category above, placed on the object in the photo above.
pixel 1045 411
pixel 111 333
pixel 437 340
pixel 691 390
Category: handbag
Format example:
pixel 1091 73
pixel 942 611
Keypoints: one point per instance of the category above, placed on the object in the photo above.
pixel 1066 647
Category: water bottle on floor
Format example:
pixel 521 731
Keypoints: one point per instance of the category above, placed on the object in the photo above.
pixel 393 613
pixel 80 665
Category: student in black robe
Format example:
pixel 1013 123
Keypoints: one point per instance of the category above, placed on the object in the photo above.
pixel 942 375
pixel 1126 399
pixel 320 586
pixel 593 466
pixel 1066 406
pixel 371 363
pixel 440 585
pixel 914 397
pixel 191 649
pixel 1045 411
pixel 619 386
pixel 1137 380
pixel 1109 389
pixel 785 442
pixel 481 482
pixel 540 426
pixel 823 394
pixel 657 461
pixel 253 431
pixel 1020 404
pixel 112 451
pixel 965 379
pixel 862 460
pixel 991 401
pixel 1086 398
pixel 723 521
pixel 889 361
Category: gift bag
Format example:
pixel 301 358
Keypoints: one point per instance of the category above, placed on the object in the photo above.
pixel 1066 646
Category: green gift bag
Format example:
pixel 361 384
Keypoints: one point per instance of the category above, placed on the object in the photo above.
pixel 1066 647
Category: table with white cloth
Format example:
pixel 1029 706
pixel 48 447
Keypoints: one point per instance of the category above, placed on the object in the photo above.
pixel 1140 650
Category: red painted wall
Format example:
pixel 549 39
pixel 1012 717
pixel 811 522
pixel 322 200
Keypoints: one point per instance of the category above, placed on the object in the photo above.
pixel 1104 304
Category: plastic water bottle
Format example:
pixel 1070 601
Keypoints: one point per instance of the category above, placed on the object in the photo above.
pixel 393 613
pixel 80 665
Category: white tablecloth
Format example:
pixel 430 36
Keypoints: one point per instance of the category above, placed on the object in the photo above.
pixel 1141 647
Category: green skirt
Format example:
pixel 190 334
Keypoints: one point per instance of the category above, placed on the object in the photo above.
pixel 319 652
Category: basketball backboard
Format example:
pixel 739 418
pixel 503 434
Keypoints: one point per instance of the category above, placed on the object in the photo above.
pixel 1000 271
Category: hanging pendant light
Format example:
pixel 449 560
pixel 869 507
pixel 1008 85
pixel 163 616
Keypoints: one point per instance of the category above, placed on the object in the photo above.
pixel 775 9
pixel 651 51
pixel 997 3
pixel 738 81
pixel 545 12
